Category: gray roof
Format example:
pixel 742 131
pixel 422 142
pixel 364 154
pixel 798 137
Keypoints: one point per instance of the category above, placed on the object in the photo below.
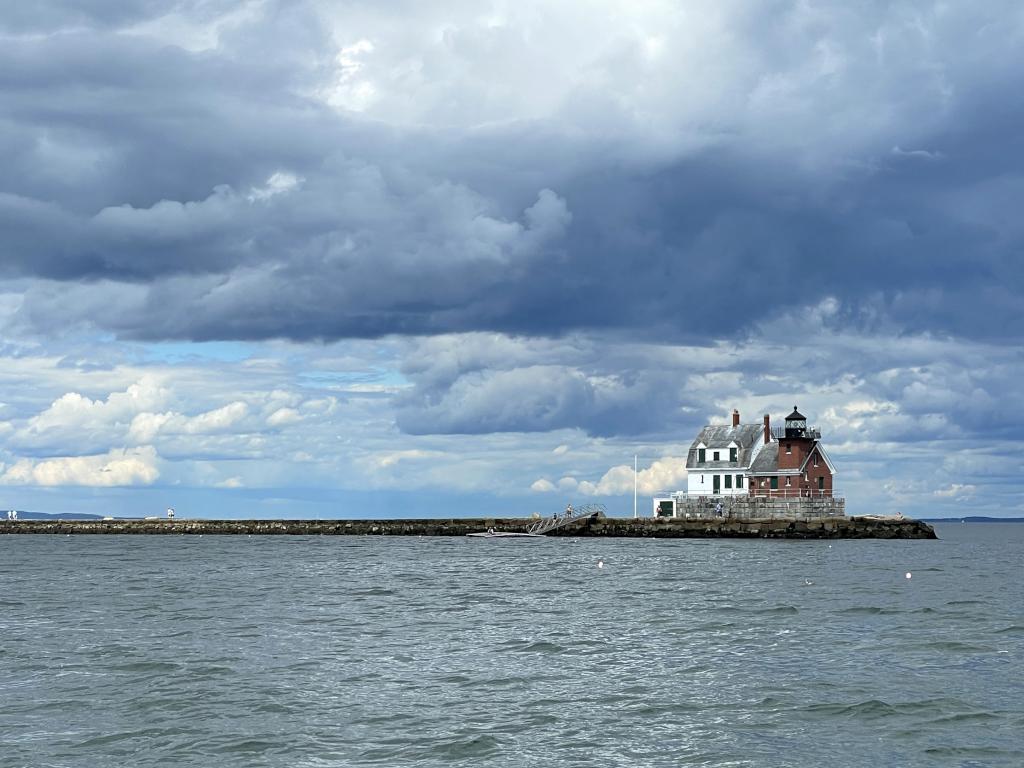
pixel 767 460
pixel 717 438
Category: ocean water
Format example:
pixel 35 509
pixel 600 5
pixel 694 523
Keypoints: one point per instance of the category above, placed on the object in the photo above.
pixel 371 651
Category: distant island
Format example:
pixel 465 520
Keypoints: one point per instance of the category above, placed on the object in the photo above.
pixel 973 519
pixel 23 515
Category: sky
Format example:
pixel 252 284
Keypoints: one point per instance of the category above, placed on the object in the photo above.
pixel 297 258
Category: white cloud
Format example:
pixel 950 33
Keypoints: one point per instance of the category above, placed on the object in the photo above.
pixel 543 485
pixel 956 491
pixel 394 457
pixel 145 427
pixel 665 474
pixel 568 484
pixel 76 422
pixel 217 420
pixel 283 416
pixel 278 183
pixel 117 468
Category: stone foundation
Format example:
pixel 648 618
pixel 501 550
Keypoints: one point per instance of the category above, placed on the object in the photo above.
pixel 758 507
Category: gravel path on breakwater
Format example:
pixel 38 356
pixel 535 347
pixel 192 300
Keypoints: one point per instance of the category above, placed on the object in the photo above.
pixel 822 528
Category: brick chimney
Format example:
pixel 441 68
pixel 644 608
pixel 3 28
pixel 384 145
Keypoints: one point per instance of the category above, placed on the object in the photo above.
pixel 735 417
pixel 767 430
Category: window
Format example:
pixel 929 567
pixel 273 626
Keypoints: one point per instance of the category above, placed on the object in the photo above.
pixel 739 481
pixel 728 481
pixel 775 483
pixel 787 482
pixel 821 483
pixel 702 455
pixel 714 456
pixel 789 447
pixel 732 454
pixel 815 459
pixel 702 479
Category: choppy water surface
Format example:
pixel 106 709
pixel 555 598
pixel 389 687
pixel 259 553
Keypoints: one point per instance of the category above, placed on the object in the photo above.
pixel 338 651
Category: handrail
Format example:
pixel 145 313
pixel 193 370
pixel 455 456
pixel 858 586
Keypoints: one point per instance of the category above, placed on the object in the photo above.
pixel 777 493
pixel 558 520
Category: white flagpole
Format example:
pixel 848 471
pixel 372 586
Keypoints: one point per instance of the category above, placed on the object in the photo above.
pixel 635 486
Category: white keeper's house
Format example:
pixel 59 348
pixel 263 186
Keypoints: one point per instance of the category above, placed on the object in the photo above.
pixel 737 467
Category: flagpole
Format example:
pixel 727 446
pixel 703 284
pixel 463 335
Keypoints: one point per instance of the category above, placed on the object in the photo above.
pixel 635 486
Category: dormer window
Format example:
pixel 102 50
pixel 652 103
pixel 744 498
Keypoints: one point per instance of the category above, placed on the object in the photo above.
pixel 714 456
pixel 702 455
pixel 732 454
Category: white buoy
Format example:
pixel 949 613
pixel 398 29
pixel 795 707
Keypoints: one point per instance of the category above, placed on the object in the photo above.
pixel 807 582
pixel 908 574
pixel 600 563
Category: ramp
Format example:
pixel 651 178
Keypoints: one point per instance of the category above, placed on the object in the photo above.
pixel 560 520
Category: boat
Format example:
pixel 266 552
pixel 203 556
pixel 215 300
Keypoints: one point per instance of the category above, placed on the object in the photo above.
pixel 490 533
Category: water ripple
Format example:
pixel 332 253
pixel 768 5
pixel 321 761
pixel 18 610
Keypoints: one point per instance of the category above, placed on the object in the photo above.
pixel 322 651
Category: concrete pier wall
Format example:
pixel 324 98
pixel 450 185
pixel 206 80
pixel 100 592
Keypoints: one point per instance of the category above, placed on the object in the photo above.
pixel 779 527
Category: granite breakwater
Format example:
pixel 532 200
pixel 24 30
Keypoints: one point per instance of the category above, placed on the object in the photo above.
pixel 597 526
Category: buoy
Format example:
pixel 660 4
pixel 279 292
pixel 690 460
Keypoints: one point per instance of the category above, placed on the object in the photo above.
pixel 807 582
pixel 600 563
pixel 908 574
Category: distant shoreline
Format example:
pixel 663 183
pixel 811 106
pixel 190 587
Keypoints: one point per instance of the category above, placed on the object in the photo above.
pixel 972 519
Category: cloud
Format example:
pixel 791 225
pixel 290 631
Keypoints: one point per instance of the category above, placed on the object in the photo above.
pixel 535 170
pixel 76 420
pixel 283 416
pixel 665 474
pixel 956 492
pixel 393 458
pixel 461 235
pixel 543 486
pixel 117 468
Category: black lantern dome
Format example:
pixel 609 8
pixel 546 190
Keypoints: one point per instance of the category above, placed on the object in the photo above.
pixel 796 424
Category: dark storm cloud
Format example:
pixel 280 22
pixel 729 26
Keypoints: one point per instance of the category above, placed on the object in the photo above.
pixel 44 16
pixel 207 194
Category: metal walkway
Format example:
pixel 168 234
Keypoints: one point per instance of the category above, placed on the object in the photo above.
pixel 556 521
